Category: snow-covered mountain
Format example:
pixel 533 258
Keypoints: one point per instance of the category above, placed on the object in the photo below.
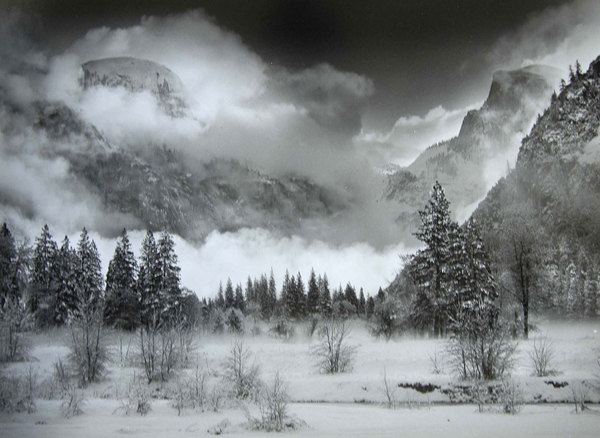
pixel 149 185
pixel 551 200
pixel 486 146
pixel 136 75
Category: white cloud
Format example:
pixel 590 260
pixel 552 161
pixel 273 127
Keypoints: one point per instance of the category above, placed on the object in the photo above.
pixel 411 135
pixel 557 37
pixel 253 252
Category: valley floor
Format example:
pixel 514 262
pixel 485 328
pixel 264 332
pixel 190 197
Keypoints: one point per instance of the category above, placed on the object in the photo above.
pixel 347 404
pixel 322 419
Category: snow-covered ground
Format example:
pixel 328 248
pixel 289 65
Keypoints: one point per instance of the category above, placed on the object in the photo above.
pixel 323 420
pixel 346 404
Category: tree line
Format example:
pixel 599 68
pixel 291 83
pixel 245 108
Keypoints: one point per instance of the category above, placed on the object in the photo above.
pixel 295 300
pixel 54 282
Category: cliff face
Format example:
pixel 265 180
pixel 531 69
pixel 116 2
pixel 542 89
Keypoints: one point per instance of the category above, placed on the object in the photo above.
pixel 137 75
pixel 553 195
pixel 469 163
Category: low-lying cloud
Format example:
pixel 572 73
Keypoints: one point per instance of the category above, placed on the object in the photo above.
pixel 253 252
pixel 411 135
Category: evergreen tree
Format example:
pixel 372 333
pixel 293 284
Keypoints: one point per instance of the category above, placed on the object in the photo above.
pixel 66 294
pixel 312 298
pixel 325 306
pixel 475 310
pixel 220 300
pixel 239 299
pixel 591 293
pixel 271 296
pixel 350 296
pixel 292 298
pixel 121 298
pixel 170 292
pixel 300 297
pixel 89 273
pixel 370 308
pixel 430 266
pixel 234 321
pixel 250 297
pixel 8 265
pixel 362 303
pixel 229 295
pixel 149 281
pixel 43 278
pixel 285 290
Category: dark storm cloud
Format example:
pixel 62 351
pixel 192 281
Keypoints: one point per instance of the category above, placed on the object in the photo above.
pixel 418 53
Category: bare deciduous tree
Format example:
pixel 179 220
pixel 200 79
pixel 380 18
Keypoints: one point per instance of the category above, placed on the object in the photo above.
pixel 240 372
pixel 333 353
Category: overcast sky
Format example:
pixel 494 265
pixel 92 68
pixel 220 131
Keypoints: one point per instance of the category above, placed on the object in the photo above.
pixel 420 54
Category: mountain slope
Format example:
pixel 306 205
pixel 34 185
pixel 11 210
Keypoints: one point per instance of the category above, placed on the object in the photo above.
pixel 163 190
pixel 467 164
pixel 553 195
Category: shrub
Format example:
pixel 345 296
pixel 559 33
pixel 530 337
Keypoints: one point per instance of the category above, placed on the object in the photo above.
pixel 15 320
pixel 511 397
pixel 18 393
pixel 436 360
pixel 272 403
pixel 282 329
pixel 240 373
pixel 161 349
pixel 487 355
pixel 89 353
pixel 580 392
pixel 389 391
pixel 72 401
pixel 191 392
pixel 542 356
pixel 235 321
pixel 333 354
pixel 137 400
pixel 387 317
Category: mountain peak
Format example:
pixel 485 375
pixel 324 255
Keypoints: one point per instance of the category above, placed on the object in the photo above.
pixel 132 73
pixel 136 75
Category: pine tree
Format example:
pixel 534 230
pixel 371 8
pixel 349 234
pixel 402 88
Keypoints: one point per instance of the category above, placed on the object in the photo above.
pixel 271 297
pixel 66 294
pixel 370 308
pixel 239 299
pixel 475 310
pixel 44 278
pixel 350 296
pixel 300 297
pixel 312 298
pixel 285 290
pixel 121 299
pixel 591 293
pixel 234 321
pixel 170 293
pixel 430 266
pixel 362 303
pixel 148 284
pixel 89 274
pixel 88 351
pixel 292 298
pixel 325 306
pixel 250 291
pixel 229 295
pixel 220 300
pixel 8 269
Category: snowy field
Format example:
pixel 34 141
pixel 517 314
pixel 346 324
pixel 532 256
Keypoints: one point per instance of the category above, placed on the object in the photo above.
pixel 347 404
